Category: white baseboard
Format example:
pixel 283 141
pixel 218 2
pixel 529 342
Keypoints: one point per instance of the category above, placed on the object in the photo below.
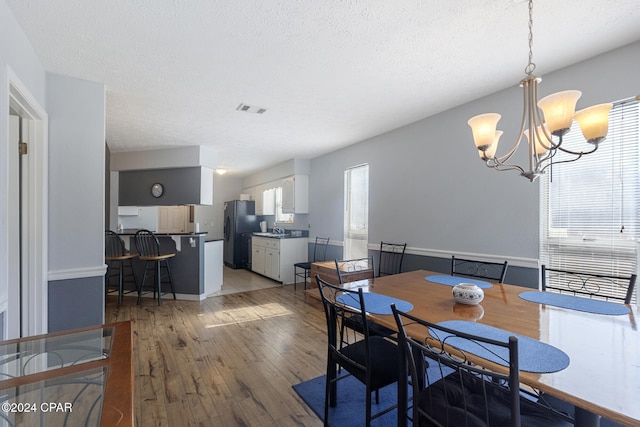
pixel 77 273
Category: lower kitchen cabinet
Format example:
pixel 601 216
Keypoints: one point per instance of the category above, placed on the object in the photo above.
pixel 274 257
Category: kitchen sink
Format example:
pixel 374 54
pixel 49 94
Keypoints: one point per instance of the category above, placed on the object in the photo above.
pixel 267 234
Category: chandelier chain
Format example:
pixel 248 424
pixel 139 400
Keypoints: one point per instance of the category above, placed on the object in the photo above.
pixel 531 66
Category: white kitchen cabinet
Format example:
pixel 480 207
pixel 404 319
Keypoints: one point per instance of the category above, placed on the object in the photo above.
pixel 272 263
pixel 295 194
pixel 259 198
pixel 269 201
pixel 258 257
pixel 274 257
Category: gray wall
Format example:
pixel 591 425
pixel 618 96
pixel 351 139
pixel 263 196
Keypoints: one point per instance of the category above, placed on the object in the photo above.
pixel 429 188
pixel 15 52
pixel 76 177
pixel 76 111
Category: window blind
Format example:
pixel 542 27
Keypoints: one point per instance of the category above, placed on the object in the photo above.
pixel 589 208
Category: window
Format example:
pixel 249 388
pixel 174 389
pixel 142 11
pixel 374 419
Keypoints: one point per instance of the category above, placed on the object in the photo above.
pixel 281 217
pixel 356 216
pixel 589 208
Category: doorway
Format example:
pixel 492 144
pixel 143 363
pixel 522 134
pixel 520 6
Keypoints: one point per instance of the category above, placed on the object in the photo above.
pixel 356 214
pixel 23 296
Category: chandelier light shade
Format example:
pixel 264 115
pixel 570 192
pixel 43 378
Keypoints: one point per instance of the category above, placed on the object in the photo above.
pixel 550 117
pixel 594 122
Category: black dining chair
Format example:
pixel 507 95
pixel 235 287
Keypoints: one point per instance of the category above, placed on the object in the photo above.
pixel 591 285
pixel 119 264
pixel 319 254
pixel 349 270
pixel 372 359
pixel 450 389
pixel 482 270
pixel 390 258
pixel 156 264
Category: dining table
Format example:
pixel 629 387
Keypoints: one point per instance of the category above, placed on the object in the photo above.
pixel 602 378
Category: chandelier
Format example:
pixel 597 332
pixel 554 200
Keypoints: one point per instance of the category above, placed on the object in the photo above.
pixel 541 121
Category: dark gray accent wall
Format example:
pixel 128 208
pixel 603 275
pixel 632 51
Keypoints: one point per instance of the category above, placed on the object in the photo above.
pixel 76 303
pixel 181 187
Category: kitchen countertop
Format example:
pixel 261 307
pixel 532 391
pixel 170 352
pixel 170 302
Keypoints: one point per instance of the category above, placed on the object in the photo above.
pixel 132 231
pixel 279 235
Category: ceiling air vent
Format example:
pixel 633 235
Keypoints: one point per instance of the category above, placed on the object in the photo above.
pixel 250 109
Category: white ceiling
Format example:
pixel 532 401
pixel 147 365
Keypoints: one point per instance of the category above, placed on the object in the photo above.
pixel 329 72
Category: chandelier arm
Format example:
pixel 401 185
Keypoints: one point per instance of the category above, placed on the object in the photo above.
pixel 579 155
pixel 539 124
pixel 501 160
pixel 505 167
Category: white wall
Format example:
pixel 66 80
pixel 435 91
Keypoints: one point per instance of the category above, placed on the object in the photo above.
pixel 429 188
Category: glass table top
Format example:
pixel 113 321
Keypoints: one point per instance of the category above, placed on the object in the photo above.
pixel 46 353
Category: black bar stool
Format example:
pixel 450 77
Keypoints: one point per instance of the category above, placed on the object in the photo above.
pixel 118 259
pixel 149 248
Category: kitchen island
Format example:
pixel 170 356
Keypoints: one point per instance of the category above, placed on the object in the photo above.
pixel 197 267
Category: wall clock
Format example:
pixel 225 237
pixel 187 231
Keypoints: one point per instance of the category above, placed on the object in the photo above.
pixel 157 190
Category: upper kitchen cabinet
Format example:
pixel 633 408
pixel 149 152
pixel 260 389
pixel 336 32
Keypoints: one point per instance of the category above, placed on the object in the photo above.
pixel 165 187
pixel 295 194
pixel 265 197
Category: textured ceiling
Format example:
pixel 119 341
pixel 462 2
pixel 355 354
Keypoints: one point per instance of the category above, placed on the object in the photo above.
pixel 330 73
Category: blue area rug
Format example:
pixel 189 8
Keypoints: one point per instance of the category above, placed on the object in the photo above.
pixel 375 303
pixel 454 280
pixel 533 355
pixel 350 410
pixel 575 303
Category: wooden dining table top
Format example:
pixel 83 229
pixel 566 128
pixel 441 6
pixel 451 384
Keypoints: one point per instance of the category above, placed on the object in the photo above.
pixel 603 376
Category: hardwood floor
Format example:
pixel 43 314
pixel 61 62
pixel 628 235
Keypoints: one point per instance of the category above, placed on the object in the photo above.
pixel 229 360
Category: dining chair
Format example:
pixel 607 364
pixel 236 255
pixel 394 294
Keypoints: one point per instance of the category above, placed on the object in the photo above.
pixel 592 285
pixel 349 270
pixel 149 248
pixel 119 264
pixel 493 271
pixel 449 389
pixel 371 359
pixel 319 254
pixel 390 258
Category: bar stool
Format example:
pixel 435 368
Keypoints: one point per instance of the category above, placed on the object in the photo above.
pixel 118 259
pixel 149 248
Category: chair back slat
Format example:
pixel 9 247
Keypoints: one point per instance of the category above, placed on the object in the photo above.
pixel 349 270
pixel 320 249
pixel 493 271
pixel 390 258
pixel 113 245
pixel 147 243
pixel 592 285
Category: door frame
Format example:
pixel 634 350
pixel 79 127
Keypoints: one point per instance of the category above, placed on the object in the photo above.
pixel 34 293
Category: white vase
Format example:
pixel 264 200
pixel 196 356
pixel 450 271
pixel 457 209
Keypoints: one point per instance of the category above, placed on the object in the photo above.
pixel 467 293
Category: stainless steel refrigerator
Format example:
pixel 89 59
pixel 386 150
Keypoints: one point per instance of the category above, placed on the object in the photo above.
pixel 240 222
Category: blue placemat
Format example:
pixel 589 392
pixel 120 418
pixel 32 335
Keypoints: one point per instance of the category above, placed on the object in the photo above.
pixel 375 303
pixel 533 355
pixel 455 280
pixel 575 303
